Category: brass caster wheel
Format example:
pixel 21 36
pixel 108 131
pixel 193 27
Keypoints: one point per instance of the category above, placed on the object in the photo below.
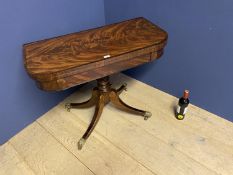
pixel 68 107
pixel 180 117
pixel 147 115
pixel 81 142
pixel 125 86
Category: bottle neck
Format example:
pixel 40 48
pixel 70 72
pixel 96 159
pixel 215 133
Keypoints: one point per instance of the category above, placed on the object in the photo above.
pixel 186 94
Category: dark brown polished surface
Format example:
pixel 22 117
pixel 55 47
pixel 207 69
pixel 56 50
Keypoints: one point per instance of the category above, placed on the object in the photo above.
pixel 69 60
pixel 65 61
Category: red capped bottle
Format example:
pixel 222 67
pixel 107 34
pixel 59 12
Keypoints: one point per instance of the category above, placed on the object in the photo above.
pixel 182 106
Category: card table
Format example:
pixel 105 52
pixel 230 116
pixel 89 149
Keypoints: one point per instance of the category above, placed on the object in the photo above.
pixel 66 61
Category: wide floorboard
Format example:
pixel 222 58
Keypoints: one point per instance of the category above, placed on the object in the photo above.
pixel 122 143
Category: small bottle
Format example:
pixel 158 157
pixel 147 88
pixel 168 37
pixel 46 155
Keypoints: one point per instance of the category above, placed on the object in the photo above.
pixel 182 106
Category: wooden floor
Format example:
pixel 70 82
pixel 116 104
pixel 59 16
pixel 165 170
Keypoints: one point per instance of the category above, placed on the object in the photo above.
pixel 122 144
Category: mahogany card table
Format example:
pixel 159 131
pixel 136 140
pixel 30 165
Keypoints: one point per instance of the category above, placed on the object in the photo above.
pixel 70 60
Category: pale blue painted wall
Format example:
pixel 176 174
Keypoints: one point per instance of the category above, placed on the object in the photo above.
pixel 22 21
pixel 199 54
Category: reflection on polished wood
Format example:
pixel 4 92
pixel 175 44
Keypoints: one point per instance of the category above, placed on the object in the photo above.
pixel 66 61
pixel 102 95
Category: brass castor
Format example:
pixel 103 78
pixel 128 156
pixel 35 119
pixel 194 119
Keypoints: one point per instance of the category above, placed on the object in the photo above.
pixel 68 107
pixel 80 144
pixel 147 115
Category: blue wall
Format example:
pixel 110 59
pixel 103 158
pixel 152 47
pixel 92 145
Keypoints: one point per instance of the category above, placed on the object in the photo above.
pixel 23 21
pixel 199 54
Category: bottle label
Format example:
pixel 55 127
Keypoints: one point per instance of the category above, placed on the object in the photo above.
pixel 185 110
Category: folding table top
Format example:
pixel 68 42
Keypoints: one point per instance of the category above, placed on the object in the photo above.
pixel 66 55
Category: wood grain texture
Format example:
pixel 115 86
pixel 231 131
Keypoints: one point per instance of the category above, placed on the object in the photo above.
pixel 11 163
pixel 156 155
pixel 54 60
pixel 123 143
pixel 100 155
pixel 93 74
pixel 202 136
pixel 44 154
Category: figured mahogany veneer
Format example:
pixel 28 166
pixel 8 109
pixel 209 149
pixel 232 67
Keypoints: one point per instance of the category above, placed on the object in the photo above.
pixel 73 59
pixel 65 61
